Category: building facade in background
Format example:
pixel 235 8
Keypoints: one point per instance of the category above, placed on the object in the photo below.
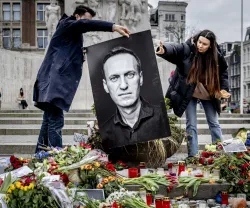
pixel 231 52
pixel 168 21
pixel 246 66
pixel 22 24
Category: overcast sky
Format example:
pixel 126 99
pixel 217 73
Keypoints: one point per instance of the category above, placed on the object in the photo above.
pixel 223 17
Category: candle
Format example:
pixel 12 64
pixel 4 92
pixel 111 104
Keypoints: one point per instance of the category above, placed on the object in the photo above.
pixel 166 203
pixel 224 197
pixel 149 199
pixel 158 202
pixel 132 172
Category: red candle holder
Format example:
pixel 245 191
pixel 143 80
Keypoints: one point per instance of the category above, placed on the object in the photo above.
pixel 224 197
pixel 181 167
pixel 158 202
pixel 133 172
pixel 149 199
pixel 166 203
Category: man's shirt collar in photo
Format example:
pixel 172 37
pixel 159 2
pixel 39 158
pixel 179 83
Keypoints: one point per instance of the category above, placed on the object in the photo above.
pixel 145 112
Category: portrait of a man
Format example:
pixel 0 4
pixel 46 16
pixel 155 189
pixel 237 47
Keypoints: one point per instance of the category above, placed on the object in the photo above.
pixel 132 117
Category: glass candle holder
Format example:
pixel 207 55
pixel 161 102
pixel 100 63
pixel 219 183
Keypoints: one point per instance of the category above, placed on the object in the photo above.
pixel 224 197
pixel 132 172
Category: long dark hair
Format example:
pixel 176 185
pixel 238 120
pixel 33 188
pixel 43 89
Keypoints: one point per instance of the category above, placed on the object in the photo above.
pixel 21 92
pixel 211 64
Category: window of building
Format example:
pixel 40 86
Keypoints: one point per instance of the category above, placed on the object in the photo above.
pixel 6 12
pixel 248 88
pixel 42 38
pixel 244 53
pixel 245 91
pixel 170 17
pixel 248 71
pixel 41 11
pixel 16 11
pixel 183 17
pixel 16 38
pixel 248 54
pixel 6 38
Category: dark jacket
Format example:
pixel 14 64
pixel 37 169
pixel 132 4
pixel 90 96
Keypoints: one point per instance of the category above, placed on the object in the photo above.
pixel 61 70
pixel 179 92
pixel 116 133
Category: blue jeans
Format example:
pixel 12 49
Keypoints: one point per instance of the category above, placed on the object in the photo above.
pixel 191 124
pixel 51 130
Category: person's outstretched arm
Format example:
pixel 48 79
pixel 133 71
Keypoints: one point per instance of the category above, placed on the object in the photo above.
pixel 85 25
pixel 173 53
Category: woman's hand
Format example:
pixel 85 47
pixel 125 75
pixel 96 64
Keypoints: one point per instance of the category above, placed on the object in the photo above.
pixel 161 49
pixel 225 94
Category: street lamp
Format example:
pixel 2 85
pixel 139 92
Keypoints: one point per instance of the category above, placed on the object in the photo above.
pixel 241 63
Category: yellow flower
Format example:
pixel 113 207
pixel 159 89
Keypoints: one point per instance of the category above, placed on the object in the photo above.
pixel 21 159
pixel 105 180
pixel 18 184
pixel 9 191
pixel 21 188
pixel 97 164
pixel 31 186
pixel 212 181
pixel 111 178
pixel 25 188
pixel 99 186
pixel 12 187
pixel 82 167
pixel 89 167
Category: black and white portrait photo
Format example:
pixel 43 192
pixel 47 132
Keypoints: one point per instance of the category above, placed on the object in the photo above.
pixel 127 91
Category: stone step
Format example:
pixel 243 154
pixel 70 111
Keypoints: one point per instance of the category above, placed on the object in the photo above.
pixel 88 113
pixel 222 120
pixel 35 129
pixel 27 115
pixel 25 144
pixel 40 111
pixel 84 120
pixel 38 120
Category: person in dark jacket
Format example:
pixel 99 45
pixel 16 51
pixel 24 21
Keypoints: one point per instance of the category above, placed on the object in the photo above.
pixel 202 74
pixel 60 73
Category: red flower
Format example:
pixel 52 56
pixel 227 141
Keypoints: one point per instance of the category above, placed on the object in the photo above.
pixel 17 164
pixel 210 161
pixel 244 166
pixel 202 160
pixel 1 182
pixel 12 159
pixel 211 153
pixel 241 182
pixel 28 181
pixel 114 205
pixel 244 173
pixel 119 162
pixel 64 178
pixel 87 146
pixel 110 167
pixel 240 155
pixel 205 154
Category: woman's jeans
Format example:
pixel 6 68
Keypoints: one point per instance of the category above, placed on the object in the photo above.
pixel 51 130
pixel 191 124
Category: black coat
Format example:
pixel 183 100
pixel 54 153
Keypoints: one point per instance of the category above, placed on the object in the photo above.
pixel 179 92
pixel 60 73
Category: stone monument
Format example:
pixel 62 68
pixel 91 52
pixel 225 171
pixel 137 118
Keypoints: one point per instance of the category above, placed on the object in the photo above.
pixel 130 13
pixel 52 16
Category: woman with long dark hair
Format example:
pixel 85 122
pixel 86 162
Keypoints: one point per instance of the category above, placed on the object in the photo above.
pixel 21 99
pixel 201 74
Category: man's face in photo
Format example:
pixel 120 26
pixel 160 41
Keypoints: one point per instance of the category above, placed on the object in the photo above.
pixel 122 79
